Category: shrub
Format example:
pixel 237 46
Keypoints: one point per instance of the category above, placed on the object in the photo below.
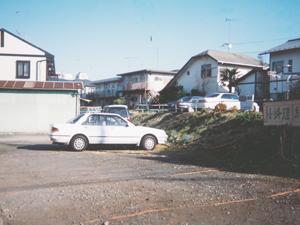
pixel 250 117
pixel 220 107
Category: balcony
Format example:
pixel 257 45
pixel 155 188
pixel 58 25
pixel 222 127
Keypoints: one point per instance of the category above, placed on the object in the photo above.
pixel 136 86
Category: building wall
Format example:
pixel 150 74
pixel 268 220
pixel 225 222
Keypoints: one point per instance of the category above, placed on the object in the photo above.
pixel 34 111
pixel 157 82
pixel 8 68
pixel 278 82
pixel 191 76
pixel 286 56
pixel 18 50
pixel 247 86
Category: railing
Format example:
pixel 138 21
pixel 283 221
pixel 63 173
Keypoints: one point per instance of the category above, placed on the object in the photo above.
pixel 152 108
pixel 136 86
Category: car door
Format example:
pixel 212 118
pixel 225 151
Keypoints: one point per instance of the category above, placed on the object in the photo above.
pixel 229 101
pixel 94 129
pixel 118 131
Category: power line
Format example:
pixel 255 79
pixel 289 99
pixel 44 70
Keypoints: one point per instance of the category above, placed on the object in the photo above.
pixel 254 42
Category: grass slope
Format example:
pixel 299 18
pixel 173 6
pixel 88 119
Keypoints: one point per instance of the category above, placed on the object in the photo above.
pixel 229 140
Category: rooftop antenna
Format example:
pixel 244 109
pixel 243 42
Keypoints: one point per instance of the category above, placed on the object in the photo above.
pixel 229 43
pixel 129 60
pixel 18 31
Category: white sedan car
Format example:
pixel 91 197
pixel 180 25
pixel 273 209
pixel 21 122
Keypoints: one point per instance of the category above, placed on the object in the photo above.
pixel 210 101
pixel 105 128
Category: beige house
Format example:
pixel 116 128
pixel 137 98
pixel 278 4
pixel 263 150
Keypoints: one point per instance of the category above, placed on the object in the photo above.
pixel 140 87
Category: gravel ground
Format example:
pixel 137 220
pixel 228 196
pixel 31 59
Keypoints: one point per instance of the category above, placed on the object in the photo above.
pixel 42 183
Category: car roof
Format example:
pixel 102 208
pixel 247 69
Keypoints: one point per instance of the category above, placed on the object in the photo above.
pixel 103 114
pixel 115 106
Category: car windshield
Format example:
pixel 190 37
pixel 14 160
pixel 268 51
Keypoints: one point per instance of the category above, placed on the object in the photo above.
pixel 75 119
pixel 212 95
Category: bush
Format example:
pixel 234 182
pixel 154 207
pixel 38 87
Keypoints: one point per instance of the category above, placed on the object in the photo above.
pixel 220 107
pixel 250 117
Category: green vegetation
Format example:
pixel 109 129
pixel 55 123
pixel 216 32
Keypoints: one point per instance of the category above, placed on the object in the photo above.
pixel 120 101
pixel 230 139
pixel 171 94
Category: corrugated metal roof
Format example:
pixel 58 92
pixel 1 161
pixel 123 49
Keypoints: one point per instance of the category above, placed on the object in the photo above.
pixel 47 85
pixel 231 58
pixel 290 44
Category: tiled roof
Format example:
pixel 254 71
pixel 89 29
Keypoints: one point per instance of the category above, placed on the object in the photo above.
pixel 291 44
pixel 47 85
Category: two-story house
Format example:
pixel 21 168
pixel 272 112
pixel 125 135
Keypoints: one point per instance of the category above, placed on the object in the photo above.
pixel 21 60
pixel 106 90
pixel 139 87
pixel 284 68
pixel 31 98
pixel 203 71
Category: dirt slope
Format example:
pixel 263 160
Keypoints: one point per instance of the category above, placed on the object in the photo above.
pixel 236 141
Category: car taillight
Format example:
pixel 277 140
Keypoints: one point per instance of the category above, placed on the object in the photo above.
pixel 178 103
pixel 202 100
pixel 54 129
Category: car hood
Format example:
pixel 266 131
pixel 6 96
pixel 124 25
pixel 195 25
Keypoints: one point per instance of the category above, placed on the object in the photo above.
pixel 151 129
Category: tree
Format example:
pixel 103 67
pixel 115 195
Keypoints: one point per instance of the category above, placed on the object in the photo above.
pixel 171 94
pixel 295 91
pixel 201 84
pixel 228 79
pixel 120 101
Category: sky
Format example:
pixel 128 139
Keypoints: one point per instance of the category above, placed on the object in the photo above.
pixel 104 38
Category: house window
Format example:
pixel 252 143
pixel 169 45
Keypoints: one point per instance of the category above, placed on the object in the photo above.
pixel 291 66
pixel 23 69
pixel 278 66
pixel 206 70
pixel 158 79
pixel 188 73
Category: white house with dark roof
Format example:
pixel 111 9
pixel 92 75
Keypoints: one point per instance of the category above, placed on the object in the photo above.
pixel 202 71
pixel 21 60
pixel 284 68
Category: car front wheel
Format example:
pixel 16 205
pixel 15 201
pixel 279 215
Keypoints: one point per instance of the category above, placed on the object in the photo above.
pixel 148 142
pixel 79 143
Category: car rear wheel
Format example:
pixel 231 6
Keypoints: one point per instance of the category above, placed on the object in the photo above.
pixel 148 142
pixel 79 143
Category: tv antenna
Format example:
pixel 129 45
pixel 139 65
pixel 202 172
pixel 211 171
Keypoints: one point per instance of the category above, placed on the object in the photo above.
pixel 129 58
pixel 18 31
pixel 229 43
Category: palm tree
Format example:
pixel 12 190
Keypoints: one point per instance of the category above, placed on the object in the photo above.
pixel 229 76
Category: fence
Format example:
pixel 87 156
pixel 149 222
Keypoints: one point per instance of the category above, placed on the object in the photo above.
pixel 152 108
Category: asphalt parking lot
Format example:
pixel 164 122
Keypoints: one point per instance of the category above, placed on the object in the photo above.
pixel 49 184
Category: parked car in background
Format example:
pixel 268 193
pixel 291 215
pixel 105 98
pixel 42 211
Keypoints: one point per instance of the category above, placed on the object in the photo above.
pixel 186 104
pixel 105 128
pixel 210 101
pixel 121 110
pixel 90 109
